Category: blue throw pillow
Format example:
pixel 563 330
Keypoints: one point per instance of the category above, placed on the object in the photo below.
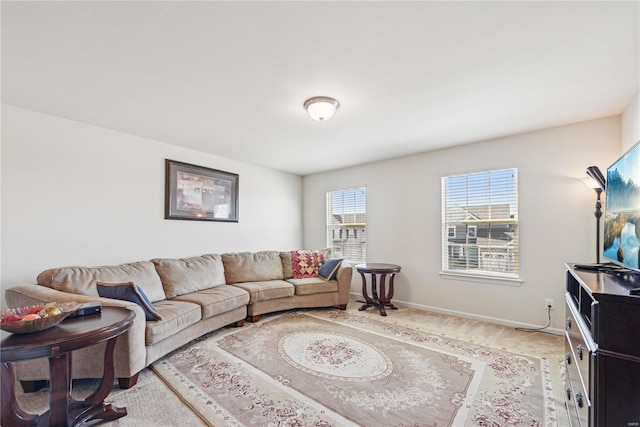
pixel 329 270
pixel 129 291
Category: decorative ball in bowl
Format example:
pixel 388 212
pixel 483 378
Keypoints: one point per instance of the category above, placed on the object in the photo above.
pixel 36 317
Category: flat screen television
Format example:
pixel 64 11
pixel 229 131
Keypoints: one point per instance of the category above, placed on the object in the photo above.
pixel 621 238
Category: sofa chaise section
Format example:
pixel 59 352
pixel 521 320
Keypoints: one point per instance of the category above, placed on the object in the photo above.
pixel 269 279
pixel 193 301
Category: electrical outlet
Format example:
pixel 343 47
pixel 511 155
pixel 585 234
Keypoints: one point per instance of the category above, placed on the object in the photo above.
pixel 548 303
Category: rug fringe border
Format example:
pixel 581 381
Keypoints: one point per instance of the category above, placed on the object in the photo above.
pixel 177 393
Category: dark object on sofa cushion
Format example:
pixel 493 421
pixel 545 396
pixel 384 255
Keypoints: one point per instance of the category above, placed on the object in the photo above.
pixel 129 291
pixel 329 269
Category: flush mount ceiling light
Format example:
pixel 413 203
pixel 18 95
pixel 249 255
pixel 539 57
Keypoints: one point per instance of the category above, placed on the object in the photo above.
pixel 321 108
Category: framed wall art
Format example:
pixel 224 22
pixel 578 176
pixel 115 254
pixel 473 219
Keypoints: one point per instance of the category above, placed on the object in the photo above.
pixel 202 194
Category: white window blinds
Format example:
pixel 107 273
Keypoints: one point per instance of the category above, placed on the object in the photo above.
pixel 480 223
pixel 347 223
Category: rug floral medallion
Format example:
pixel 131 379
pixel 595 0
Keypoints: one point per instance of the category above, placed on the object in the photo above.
pixel 332 368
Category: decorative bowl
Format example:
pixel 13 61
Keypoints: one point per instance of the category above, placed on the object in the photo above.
pixel 11 319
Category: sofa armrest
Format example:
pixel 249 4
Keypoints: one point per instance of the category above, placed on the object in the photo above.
pixel 25 295
pixel 130 353
pixel 345 273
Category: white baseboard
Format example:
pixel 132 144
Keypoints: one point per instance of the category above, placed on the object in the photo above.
pixel 471 316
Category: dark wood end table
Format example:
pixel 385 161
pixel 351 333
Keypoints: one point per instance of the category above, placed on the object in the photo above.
pixel 382 299
pixel 57 343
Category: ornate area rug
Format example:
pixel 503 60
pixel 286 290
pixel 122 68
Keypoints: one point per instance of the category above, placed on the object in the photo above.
pixel 333 368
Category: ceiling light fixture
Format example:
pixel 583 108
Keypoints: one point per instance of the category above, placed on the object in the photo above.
pixel 321 108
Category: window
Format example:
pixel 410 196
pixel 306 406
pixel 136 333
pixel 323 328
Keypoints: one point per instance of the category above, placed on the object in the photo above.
pixel 347 214
pixel 485 204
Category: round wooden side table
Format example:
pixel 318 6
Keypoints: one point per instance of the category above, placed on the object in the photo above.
pixel 382 299
pixel 57 343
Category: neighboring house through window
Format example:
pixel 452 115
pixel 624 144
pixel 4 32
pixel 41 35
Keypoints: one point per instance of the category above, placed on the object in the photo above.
pixel 480 223
pixel 347 223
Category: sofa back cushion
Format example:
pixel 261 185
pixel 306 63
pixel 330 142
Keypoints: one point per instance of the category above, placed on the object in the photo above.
pixel 287 266
pixel 186 275
pixel 82 280
pixel 252 266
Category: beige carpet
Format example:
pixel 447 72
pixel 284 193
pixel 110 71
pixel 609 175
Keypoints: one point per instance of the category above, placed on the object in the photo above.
pixel 151 402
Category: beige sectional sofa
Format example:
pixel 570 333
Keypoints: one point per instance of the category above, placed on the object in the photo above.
pixel 193 296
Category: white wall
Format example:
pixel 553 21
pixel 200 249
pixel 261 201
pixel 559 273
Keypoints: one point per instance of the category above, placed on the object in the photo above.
pixel 631 124
pixel 404 217
pixel 75 194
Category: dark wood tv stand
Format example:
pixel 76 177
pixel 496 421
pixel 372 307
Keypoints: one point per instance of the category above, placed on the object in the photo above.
pixel 602 345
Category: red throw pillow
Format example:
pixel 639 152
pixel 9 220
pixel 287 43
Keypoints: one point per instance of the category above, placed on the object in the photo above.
pixel 306 263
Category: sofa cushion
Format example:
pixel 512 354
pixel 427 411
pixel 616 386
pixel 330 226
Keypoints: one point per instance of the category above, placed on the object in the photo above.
pixel 129 292
pixel 287 266
pixel 329 270
pixel 313 285
pixel 262 291
pixel 185 275
pixel 252 266
pixel 306 263
pixel 176 316
pixel 216 300
pixel 82 280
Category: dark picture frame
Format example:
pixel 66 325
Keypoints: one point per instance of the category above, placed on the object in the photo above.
pixel 198 193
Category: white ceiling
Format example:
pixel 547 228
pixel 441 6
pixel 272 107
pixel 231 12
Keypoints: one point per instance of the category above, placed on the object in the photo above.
pixel 230 78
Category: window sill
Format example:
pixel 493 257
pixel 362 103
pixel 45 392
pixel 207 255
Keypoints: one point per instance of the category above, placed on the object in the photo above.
pixel 481 278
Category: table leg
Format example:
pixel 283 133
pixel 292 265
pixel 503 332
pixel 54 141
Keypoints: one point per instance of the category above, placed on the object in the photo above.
pixel 10 413
pixel 59 388
pixel 64 411
pixel 368 302
pixel 374 288
pixel 383 299
pixel 93 407
pixel 390 296
pixel 108 376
